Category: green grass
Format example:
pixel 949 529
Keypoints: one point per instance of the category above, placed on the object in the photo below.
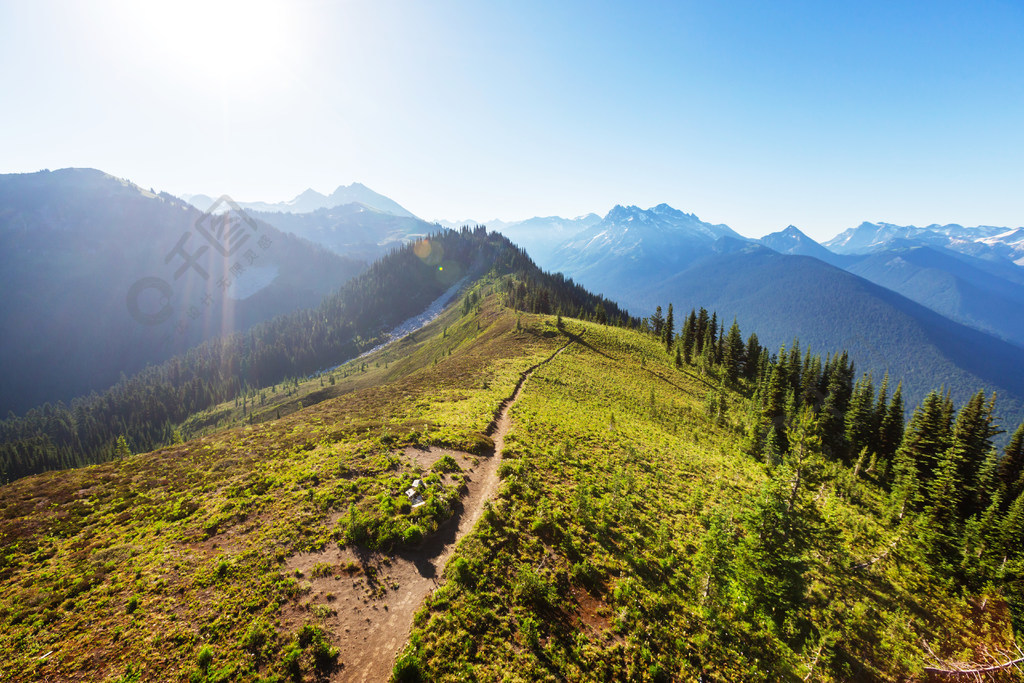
pixel 618 548
pixel 146 561
pixel 596 559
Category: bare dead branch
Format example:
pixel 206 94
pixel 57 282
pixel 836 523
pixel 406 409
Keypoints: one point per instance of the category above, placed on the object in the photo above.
pixel 957 670
pixel 885 554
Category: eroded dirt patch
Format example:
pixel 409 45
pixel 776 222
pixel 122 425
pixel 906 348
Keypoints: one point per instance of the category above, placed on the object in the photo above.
pixel 366 600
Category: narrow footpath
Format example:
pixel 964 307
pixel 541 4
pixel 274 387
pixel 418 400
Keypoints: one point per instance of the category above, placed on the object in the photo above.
pixel 371 611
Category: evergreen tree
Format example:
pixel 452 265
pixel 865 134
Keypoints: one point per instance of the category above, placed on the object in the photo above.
pixel 1013 531
pixel 774 557
pixel 657 322
pixel 720 344
pixel 707 350
pixel 881 407
pixel 890 430
pixel 121 449
pixel 771 452
pixel 732 356
pixel 795 370
pixel 860 416
pixel 972 444
pixel 700 330
pixel 751 356
pixel 981 544
pixel 764 366
pixel 670 326
pixel 713 563
pixel 707 357
pixel 688 336
pixel 1010 472
pixel 927 436
pixel 945 498
pixel 773 402
pixel 906 487
pixel 839 388
pixel 782 368
pixel 809 394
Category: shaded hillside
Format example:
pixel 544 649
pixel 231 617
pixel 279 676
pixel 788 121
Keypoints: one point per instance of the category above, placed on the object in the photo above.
pixel 984 295
pixel 78 248
pixel 784 297
pixel 146 410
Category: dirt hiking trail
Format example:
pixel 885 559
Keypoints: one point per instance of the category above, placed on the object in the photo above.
pixel 368 608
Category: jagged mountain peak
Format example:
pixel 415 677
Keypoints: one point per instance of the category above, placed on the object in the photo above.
pixel 792 240
pixel 309 200
pixel 308 193
pixel 660 239
pixel 987 242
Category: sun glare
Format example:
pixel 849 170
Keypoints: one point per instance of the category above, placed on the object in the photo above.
pixel 215 43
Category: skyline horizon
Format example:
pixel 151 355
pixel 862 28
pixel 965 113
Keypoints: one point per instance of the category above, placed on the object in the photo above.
pixel 757 116
pixel 186 196
pixel 602 214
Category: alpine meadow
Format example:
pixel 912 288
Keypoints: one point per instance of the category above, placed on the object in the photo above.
pixel 398 342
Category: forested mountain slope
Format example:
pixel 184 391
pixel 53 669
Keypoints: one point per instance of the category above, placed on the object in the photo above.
pixel 784 297
pixel 988 296
pixel 148 409
pixel 102 277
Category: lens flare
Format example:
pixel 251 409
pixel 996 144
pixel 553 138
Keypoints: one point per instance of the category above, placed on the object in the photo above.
pixel 422 249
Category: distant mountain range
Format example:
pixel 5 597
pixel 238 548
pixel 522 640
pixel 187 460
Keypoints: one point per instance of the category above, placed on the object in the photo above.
pixel 929 314
pixel 540 236
pixel 353 230
pixel 353 221
pixel 103 277
pixel 983 294
pixel 939 305
pixel 795 243
pixel 983 241
pixel 311 200
pixel 630 246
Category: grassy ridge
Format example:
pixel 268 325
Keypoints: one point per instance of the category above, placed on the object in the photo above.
pixel 629 543
pixel 134 569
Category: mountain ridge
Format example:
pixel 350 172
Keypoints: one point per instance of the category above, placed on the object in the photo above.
pixel 310 200
pixel 629 262
pixel 107 277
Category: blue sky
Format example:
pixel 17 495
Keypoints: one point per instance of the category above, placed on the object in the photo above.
pixel 755 114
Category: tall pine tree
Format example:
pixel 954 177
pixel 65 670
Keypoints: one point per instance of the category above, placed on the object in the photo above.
pixel 927 437
pixel 890 429
pixel 688 336
pixel 732 355
pixel 657 322
pixel 972 446
pixel 1010 472
pixel 670 329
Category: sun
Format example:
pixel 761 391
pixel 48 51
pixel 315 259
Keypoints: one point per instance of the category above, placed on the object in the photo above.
pixel 215 43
